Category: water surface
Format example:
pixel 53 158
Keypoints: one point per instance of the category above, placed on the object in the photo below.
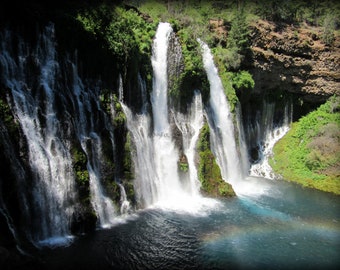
pixel 272 225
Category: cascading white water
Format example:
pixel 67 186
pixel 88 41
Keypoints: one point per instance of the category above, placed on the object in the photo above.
pixel 266 141
pixel 49 157
pixel 124 203
pixel 245 164
pixel 92 146
pixel 145 173
pixel 221 125
pixel 49 112
pixel 166 155
pixel 190 126
pixel 156 157
pixel 159 97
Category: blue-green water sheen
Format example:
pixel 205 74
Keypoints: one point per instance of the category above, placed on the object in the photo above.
pixel 282 227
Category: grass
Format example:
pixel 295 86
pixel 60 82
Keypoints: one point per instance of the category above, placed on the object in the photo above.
pixel 309 154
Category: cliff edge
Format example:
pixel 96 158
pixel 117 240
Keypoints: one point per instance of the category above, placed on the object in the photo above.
pixel 296 60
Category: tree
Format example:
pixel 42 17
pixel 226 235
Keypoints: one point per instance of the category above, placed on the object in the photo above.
pixel 328 29
pixel 238 44
pixel 238 36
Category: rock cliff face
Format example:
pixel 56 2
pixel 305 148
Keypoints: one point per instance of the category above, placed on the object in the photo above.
pixel 294 59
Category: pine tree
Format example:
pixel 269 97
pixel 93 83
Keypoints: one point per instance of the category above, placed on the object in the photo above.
pixel 238 36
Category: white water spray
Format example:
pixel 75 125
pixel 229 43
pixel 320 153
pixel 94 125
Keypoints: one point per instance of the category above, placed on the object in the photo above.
pixel 221 124
pixel 124 203
pixel 156 157
pixel 92 146
pixel 166 155
pixel 271 136
pixel 145 174
pixel 49 156
pixel 190 125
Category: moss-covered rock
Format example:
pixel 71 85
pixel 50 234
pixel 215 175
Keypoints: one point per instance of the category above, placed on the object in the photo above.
pixel 127 163
pixel 84 218
pixel 7 117
pixel 209 172
pixel 183 164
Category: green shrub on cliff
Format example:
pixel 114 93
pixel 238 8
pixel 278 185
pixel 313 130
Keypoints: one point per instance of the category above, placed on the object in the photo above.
pixel 309 153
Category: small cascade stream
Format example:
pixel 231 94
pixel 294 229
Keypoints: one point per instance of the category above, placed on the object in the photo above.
pixel 124 203
pixel 267 133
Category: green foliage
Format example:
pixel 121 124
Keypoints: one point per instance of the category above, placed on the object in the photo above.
pixel 328 30
pixel 227 59
pixel 82 177
pixel 183 164
pixel 127 163
pixel 155 9
pixel 79 164
pixel 7 117
pixel 184 167
pixel 209 172
pixel 123 31
pixel 229 80
pixel 309 153
pixel 243 80
pixel 226 78
pixel 119 119
pixel 277 10
pixel 193 76
pixel 310 11
pixel 238 36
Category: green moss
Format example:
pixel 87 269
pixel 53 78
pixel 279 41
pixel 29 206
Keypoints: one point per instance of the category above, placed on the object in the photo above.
pixel 130 191
pixel 193 75
pixel 80 166
pixel 184 167
pixel 119 119
pixel 82 177
pixel 183 164
pixel 123 30
pixel 309 153
pixel 209 172
pixel 7 117
pixel 128 168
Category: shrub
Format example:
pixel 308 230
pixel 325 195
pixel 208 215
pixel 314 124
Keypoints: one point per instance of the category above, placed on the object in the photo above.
pixel 328 30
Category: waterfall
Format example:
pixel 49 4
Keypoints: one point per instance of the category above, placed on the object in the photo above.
pixel 49 156
pixel 92 146
pixel 124 203
pixel 55 111
pixel 190 126
pixel 158 181
pixel 266 134
pixel 160 81
pixel 156 156
pixel 221 125
pixel 166 155
pixel 140 130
